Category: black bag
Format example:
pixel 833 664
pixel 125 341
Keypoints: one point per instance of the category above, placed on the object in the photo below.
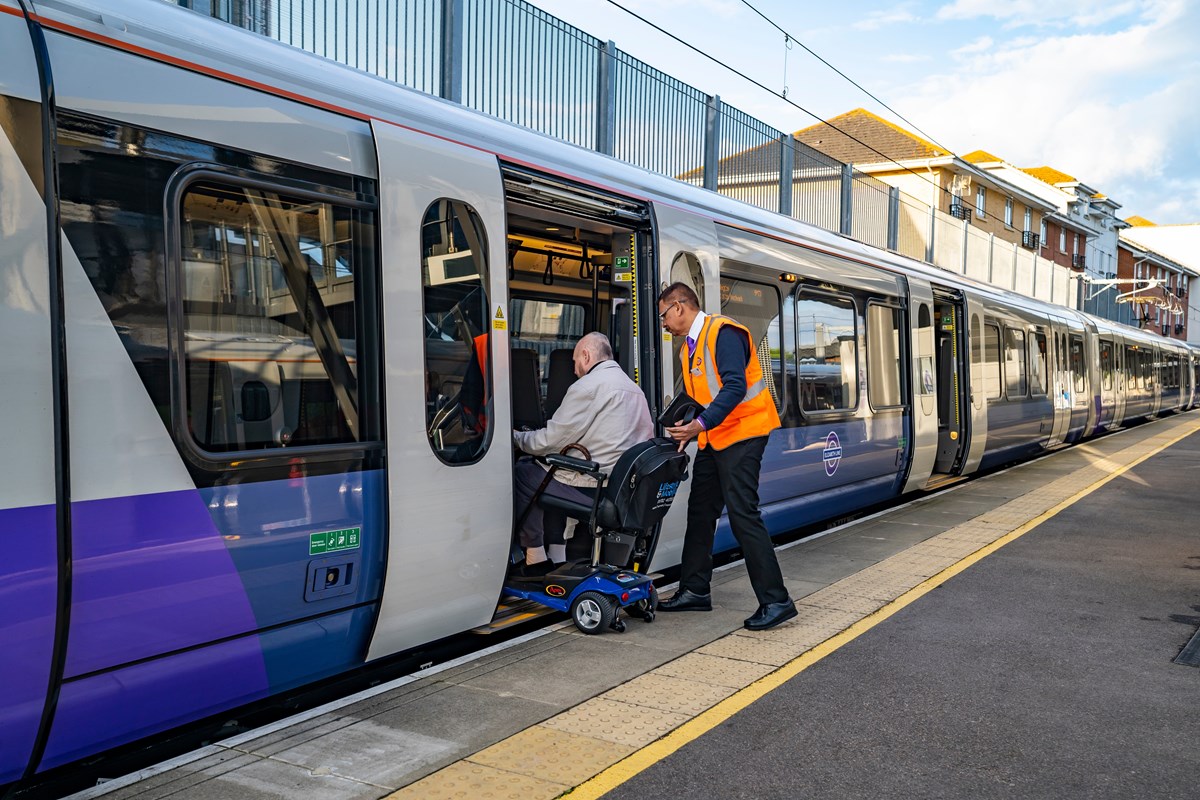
pixel 642 485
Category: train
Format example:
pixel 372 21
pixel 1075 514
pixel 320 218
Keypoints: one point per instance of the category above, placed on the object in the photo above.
pixel 271 322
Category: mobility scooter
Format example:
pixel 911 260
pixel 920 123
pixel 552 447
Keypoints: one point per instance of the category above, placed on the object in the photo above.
pixel 623 521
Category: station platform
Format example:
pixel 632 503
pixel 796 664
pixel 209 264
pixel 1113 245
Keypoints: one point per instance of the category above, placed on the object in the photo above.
pixel 1014 636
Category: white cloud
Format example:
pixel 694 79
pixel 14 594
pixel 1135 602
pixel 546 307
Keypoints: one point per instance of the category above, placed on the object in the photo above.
pixel 884 19
pixel 981 45
pixel 1116 110
pixel 1082 13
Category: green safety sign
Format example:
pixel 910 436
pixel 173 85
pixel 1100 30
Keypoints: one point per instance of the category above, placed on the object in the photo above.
pixel 332 541
pixel 621 262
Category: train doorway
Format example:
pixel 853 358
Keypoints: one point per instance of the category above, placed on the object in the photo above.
pixel 950 362
pixel 579 261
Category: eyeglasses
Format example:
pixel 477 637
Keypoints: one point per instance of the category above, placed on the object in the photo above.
pixel 662 317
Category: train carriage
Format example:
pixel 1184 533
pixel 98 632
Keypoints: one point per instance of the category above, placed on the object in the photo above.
pixel 277 320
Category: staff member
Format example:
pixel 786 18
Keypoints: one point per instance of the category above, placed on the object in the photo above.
pixel 720 373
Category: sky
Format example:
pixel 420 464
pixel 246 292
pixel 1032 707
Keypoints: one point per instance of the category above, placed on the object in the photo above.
pixel 1108 92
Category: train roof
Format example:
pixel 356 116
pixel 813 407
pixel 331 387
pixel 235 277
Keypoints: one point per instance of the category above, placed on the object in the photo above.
pixel 202 44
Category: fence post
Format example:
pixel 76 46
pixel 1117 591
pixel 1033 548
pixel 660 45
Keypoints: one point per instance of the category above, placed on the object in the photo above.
pixel 893 222
pixel 930 243
pixel 787 172
pixel 712 141
pixel 606 105
pixel 846 222
pixel 452 51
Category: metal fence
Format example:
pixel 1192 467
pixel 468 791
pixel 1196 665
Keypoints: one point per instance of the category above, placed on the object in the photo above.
pixel 514 61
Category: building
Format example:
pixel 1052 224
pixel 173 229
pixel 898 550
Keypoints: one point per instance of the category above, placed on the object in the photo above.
pixel 1170 252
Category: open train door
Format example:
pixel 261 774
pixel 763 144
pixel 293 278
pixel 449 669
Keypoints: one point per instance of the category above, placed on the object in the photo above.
pixel 445 309
pixel 950 380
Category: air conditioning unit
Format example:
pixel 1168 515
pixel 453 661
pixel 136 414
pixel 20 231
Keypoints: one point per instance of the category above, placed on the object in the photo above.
pixel 961 211
pixel 1030 239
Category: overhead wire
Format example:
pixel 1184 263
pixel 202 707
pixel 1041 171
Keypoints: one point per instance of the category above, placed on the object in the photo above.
pixel 774 93
pixel 792 37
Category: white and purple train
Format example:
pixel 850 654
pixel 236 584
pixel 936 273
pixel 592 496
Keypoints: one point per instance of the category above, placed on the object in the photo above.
pixel 270 322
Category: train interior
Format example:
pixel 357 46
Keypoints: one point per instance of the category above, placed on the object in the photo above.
pixel 575 258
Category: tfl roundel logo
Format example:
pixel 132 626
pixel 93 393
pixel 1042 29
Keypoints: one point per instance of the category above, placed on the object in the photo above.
pixel 832 453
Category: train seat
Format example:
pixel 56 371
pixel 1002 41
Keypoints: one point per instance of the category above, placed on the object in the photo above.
pixel 560 374
pixel 526 390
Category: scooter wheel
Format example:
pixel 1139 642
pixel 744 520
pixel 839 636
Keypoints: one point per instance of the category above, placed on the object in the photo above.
pixel 618 625
pixel 592 612
pixel 646 608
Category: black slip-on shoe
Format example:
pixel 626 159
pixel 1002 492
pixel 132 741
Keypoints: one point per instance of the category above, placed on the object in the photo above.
pixel 684 600
pixel 532 572
pixel 770 615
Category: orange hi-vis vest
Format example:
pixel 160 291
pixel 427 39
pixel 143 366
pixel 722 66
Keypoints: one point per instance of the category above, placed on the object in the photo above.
pixel 755 415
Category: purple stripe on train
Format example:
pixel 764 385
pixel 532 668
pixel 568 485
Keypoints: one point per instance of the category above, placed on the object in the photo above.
pixel 28 592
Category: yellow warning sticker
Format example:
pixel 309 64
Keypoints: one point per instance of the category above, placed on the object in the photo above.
pixel 498 321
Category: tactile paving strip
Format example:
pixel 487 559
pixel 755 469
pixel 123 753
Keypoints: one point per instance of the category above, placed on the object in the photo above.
pixel 713 669
pixel 552 755
pixel 758 651
pixel 464 780
pixel 677 695
pixel 612 721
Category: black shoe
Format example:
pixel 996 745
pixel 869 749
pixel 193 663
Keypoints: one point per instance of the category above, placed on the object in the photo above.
pixel 541 569
pixel 685 600
pixel 770 615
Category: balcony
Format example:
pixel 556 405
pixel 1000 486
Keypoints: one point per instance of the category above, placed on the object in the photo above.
pixel 1031 240
pixel 1179 327
pixel 960 211
pixel 1078 261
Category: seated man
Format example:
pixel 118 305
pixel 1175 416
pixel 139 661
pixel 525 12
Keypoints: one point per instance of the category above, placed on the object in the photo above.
pixel 605 412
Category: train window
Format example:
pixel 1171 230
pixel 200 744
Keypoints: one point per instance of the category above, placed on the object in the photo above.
pixel 883 355
pixel 544 326
pixel 826 353
pixel 1037 364
pixel 991 362
pixel 1106 365
pixel 270 321
pixel 458 363
pixel 1014 363
pixel 756 306
pixel 1077 365
pixel 1134 369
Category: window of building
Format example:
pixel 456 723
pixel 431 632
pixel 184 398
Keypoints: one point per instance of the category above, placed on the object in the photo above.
pixel 1015 364
pixel 980 201
pixel 1062 240
pixel 1045 242
pixel 1008 211
pixel 826 352
pixel 1028 226
pixel 458 363
pixel 991 362
pixel 883 355
pixel 1075 243
pixel 270 312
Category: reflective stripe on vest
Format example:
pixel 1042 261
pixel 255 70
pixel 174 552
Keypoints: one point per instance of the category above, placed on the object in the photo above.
pixel 754 415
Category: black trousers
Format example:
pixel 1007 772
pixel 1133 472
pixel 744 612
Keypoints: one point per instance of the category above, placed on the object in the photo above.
pixel 729 478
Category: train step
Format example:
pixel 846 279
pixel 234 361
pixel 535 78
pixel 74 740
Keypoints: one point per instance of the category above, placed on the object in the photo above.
pixel 942 481
pixel 513 612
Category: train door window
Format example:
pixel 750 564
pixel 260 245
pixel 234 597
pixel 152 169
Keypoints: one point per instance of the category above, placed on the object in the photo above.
pixel 1134 370
pixel 1014 363
pixel 1106 365
pixel 925 327
pixel 827 352
pixel 991 362
pixel 884 326
pixel 455 308
pixel 756 305
pixel 1037 363
pixel 1078 372
pixel 270 312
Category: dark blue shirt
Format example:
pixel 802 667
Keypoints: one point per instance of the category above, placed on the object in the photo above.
pixel 732 354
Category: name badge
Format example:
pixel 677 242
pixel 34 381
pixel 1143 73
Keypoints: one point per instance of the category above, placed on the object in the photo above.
pixel 697 371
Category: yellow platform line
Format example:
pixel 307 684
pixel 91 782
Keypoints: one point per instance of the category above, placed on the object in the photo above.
pixel 646 757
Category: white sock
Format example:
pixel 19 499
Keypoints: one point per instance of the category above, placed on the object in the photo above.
pixel 535 555
pixel 570 529
pixel 558 553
